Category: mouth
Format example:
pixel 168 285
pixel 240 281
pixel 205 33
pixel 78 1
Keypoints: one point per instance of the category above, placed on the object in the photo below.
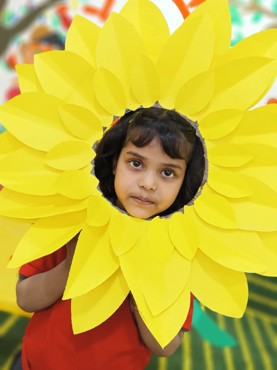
pixel 142 201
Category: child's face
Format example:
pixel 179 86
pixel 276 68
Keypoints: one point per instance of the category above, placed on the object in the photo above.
pixel 147 181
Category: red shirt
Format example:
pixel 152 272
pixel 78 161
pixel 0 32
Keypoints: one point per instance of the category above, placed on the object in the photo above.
pixel 49 342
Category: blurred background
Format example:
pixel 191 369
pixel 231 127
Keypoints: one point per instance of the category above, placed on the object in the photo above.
pixel 28 27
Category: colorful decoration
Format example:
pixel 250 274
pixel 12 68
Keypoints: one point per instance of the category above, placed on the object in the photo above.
pixel 67 97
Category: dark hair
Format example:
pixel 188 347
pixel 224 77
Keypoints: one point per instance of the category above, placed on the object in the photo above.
pixel 177 137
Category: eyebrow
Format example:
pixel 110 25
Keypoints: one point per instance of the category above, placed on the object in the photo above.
pixel 173 165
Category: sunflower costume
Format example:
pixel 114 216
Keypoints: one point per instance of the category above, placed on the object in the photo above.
pixel 67 97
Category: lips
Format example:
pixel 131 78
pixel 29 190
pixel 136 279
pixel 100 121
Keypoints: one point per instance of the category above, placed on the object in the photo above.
pixel 142 200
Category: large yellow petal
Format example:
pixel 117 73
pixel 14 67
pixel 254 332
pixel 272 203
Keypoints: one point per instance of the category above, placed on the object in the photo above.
pixel 69 77
pixel 109 92
pixel 193 48
pixel 24 171
pixel 263 166
pixel 229 155
pixel 8 144
pixel 166 325
pixel 81 122
pixel 158 240
pixel 93 262
pixel 76 184
pixel 258 126
pixel 33 119
pixel 93 308
pixel 70 155
pixel 47 235
pixel 215 210
pixel 184 233
pixel 219 12
pixel 257 217
pixel 122 240
pixel 145 82
pixel 221 123
pixel 229 184
pixel 236 249
pixel 27 78
pixel 218 288
pixel 270 242
pixel 153 33
pixel 16 205
pixel 153 276
pixel 195 95
pixel 248 80
pixel 60 72
pixel 263 43
pixel 81 38
pixel 99 211
pixel 117 48
pixel 10 234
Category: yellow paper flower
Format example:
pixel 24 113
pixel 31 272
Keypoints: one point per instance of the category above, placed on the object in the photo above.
pixel 67 97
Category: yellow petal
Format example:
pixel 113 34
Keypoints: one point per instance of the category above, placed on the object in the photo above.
pixel 258 212
pixel 8 144
pixel 194 56
pixel 121 240
pixel 33 119
pixel 270 242
pixel 248 80
pixel 27 78
pixel 256 217
pixel 109 92
pixel 93 262
pixel 236 249
pixel 218 288
pixel 145 81
pixel 81 38
pixel 10 234
pixel 157 236
pixel 81 122
pixel 93 308
pixel 76 184
pixel 183 233
pixel 262 43
pixel 219 12
pixel 263 165
pixel 219 124
pixel 25 172
pixel 154 34
pixel 258 126
pixel 70 155
pixel 118 47
pixel 159 296
pixel 16 205
pixel 60 72
pixel 99 211
pixel 166 325
pixel 215 210
pixel 229 155
pixel 229 184
pixel 47 235
pixel 195 95
pixel 69 77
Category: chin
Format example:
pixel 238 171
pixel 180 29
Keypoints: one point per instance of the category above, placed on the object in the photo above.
pixel 140 214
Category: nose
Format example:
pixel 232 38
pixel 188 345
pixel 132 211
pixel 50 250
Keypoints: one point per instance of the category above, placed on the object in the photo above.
pixel 148 181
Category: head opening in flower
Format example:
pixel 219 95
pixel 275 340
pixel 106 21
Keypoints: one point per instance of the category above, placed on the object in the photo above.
pixel 178 139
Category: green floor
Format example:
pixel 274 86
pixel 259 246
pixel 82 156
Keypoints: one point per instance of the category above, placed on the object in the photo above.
pixel 255 333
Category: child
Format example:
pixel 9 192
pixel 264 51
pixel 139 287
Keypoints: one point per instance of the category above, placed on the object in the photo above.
pixel 151 162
